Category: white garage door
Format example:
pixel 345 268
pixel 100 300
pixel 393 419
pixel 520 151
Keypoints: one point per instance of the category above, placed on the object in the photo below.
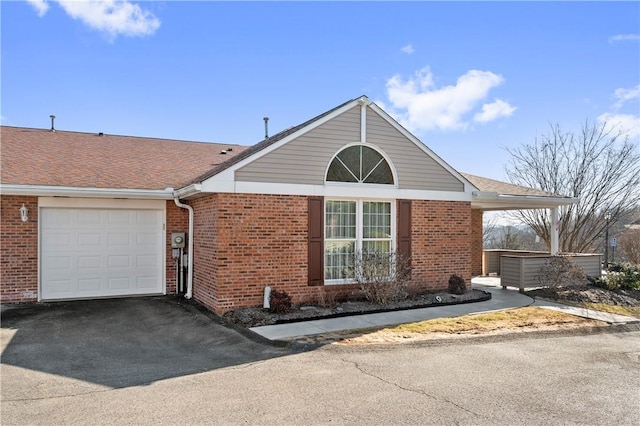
pixel 101 252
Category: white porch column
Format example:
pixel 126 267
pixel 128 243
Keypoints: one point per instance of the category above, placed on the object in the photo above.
pixel 554 228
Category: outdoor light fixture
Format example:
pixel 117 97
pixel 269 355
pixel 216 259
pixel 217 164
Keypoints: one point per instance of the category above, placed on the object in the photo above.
pixel 607 217
pixel 24 213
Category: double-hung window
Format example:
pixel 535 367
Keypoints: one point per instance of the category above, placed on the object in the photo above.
pixel 353 228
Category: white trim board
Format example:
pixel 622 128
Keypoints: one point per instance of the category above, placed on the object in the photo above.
pixel 334 190
pixel 73 191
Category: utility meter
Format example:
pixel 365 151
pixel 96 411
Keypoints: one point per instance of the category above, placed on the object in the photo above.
pixel 177 240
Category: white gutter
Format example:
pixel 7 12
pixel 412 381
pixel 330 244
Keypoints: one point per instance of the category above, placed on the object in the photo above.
pixel 187 191
pixel 73 191
pixel 190 254
pixel 494 201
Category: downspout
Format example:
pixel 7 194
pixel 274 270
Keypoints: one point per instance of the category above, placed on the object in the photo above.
pixel 553 227
pixel 189 292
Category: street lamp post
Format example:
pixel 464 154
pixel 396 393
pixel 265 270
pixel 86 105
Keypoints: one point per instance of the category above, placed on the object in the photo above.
pixel 607 217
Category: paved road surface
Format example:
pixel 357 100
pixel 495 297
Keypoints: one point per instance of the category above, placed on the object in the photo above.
pixel 592 379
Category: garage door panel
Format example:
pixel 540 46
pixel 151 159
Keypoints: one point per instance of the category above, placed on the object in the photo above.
pixel 56 218
pixel 146 218
pixel 88 217
pixel 100 253
pixel 58 263
pixel 119 261
pixel 89 240
pixel 90 285
pixel 116 217
pixel 58 239
pixel 145 282
pixel 147 261
pixel 59 286
pixel 146 239
pixel 118 239
pixel 119 283
pixel 89 263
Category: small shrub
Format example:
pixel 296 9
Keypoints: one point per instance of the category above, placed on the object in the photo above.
pixel 559 271
pixel 457 285
pixel 624 275
pixel 280 302
pixel 326 299
pixel 383 278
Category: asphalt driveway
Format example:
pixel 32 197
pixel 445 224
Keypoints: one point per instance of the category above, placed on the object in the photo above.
pixel 124 342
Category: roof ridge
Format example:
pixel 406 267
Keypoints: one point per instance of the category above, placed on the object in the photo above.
pixel 102 134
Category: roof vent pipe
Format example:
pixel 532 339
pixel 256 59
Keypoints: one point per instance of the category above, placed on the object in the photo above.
pixel 266 127
pixel 53 117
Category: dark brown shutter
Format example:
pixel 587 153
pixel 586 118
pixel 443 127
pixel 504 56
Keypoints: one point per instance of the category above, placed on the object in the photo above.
pixel 404 228
pixel 316 241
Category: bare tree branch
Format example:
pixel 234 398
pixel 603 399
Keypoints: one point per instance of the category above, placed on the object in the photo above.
pixel 597 165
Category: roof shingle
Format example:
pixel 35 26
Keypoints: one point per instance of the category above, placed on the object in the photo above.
pixel 504 188
pixel 86 160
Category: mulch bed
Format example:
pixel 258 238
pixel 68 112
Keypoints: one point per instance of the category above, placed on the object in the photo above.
pixel 588 294
pixel 253 317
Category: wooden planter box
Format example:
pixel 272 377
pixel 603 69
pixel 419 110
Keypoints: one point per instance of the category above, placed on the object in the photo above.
pixel 521 271
pixel 491 258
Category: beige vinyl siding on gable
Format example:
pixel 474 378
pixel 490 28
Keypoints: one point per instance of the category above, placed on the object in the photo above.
pixel 416 170
pixel 305 159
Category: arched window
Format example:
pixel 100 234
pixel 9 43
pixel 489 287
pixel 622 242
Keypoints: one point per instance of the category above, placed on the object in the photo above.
pixel 360 164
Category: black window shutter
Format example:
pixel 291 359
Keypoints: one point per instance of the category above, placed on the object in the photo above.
pixel 316 241
pixel 404 228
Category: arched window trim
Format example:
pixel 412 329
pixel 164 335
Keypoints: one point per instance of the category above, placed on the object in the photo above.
pixel 375 148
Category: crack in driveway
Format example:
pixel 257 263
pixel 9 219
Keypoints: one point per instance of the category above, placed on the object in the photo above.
pixel 407 389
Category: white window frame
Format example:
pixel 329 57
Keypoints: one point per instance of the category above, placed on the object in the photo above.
pixel 359 229
pixel 384 155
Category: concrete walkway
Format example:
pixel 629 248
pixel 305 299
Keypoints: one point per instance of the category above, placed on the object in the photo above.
pixel 500 299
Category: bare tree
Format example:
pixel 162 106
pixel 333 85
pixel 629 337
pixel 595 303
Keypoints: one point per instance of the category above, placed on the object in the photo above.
pixel 629 243
pixel 597 165
pixel 489 228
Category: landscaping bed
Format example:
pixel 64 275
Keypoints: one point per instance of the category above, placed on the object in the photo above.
pixel 252 317
pixel 588 294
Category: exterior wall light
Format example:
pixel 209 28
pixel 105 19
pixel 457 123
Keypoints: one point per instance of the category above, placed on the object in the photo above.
pixel 24 213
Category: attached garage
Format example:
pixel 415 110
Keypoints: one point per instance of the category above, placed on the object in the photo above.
pixel 93 248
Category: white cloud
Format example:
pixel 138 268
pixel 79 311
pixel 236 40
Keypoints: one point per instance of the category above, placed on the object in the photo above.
pixel 408 49
pixel 624 37
pixel 493 111
pixel 419 105
pixel 627 123
pixel 113 17
pixel 624 95
pixel 40 6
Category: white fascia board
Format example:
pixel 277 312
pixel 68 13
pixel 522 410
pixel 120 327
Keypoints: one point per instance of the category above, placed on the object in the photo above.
pixel 519 202
pixel 229 174
pixel 468 186
pixel 78 192
pixel 340 191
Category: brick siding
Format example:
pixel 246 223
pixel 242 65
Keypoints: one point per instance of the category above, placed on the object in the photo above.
pixel 18 250
pixel 476 242
pixel 440 242
pixel 244 242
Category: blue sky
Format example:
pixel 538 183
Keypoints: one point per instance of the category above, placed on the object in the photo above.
pixel 467 78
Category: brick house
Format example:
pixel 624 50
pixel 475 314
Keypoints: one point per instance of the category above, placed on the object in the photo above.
pixel 100 211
